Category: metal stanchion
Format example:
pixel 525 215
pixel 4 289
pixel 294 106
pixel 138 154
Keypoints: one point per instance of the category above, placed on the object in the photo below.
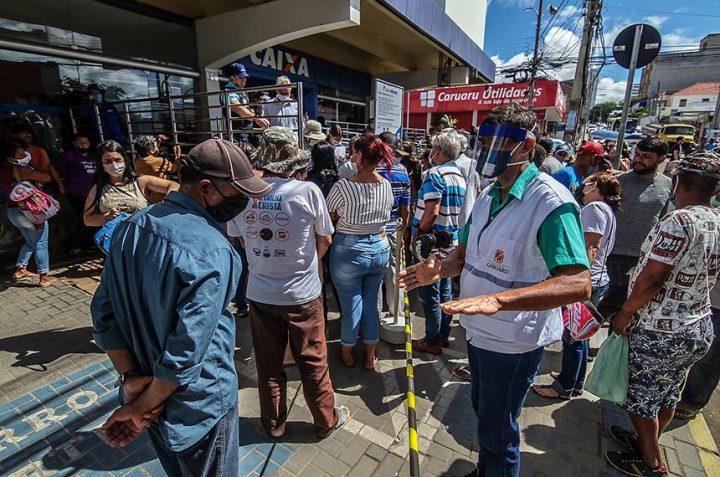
pixel 391 329
pixel 412 415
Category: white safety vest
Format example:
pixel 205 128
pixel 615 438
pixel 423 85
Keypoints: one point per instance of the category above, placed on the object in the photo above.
pixel 504 254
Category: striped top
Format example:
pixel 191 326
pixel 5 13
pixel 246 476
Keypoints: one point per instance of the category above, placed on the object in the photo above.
pixel 445 183
pixel 364 208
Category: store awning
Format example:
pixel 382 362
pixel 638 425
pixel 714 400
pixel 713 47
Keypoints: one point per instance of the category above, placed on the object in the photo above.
pixel 388 36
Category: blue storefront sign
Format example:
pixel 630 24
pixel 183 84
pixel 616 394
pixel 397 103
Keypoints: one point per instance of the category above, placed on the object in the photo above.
pixel 266 65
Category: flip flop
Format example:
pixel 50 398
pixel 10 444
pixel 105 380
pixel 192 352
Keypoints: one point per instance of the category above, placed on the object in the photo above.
pixel 624 437
pixel 536 387
pixel 343 417
pixel 577 392
pixel 375 362
pixel 685 414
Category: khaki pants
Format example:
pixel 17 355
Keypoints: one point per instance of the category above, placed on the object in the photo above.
pixel 389 287
pixel 303 326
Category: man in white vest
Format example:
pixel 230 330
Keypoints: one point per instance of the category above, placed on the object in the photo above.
pixel 521 256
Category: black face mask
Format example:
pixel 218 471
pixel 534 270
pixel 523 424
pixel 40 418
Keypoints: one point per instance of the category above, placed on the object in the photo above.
pixel 83 150
pixel 229 208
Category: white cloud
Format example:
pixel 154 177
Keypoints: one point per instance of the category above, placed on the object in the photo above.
pixel 610 90
pixel 656 20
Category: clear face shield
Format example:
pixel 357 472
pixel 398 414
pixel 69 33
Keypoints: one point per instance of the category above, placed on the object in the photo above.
pixel 495 146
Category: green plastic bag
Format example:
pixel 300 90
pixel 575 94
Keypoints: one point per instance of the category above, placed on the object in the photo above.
pixel 609 377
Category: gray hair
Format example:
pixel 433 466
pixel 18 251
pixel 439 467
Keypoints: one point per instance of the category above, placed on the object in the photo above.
pixel 448 141
pixel 282 80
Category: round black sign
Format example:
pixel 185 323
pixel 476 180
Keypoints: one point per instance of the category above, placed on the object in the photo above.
pixel 650 43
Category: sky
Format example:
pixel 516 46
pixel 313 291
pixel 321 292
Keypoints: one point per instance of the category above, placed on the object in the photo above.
pixel 510 33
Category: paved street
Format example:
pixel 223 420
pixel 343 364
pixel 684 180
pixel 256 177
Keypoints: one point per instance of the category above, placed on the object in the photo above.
pixel 56 389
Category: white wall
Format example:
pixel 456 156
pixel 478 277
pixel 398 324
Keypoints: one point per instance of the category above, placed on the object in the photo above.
pixel 694 102
pixel 470 16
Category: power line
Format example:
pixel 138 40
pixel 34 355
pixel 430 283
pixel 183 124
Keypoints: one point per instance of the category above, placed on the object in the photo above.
pixel 665 12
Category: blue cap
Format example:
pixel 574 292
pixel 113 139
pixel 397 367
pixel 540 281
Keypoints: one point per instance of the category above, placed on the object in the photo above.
pixel 237 69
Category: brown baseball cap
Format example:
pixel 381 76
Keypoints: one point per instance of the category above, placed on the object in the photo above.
pixel 222 159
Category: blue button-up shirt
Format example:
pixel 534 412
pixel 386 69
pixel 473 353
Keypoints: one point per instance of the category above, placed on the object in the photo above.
pixel 168 279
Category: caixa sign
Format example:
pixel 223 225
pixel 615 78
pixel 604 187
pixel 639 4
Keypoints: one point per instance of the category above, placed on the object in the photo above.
pixel 284 61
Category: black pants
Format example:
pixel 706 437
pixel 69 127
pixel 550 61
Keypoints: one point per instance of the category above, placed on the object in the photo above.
pixel 82 237
pixel 618 267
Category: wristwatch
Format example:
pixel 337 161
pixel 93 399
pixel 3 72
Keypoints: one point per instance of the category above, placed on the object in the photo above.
pixel 127 375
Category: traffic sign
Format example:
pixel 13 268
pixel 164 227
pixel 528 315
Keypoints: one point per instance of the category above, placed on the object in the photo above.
pixel 650 43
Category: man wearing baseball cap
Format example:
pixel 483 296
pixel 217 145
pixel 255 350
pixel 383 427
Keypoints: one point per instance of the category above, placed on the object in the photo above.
pixel 239 100
pixel 161 314
pixel 285 236
pixel 667 315
pixel 586 164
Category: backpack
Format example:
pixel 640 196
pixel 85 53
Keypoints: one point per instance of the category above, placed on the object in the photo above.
pixel 36 205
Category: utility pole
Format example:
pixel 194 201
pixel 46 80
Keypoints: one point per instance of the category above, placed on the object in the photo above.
pixel 535 60
pixel 576 103
pixel 716 114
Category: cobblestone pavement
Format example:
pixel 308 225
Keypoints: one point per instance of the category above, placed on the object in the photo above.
pixel 56 389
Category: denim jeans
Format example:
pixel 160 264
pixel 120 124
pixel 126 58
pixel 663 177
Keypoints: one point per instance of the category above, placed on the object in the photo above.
pixel 358 264
pixel 500 383
pixel 704 375
pixel 36 241
pixel 215 454
pixel 575 356
pixel 437 323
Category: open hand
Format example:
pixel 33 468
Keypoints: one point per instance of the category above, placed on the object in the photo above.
pixel 421 274
pixel 262 122
pixel 477 305
pixel 124 425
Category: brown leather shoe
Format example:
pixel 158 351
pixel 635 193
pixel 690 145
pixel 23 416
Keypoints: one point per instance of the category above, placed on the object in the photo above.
pixel 423 346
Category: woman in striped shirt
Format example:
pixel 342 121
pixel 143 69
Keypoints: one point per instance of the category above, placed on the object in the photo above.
pixel 361 251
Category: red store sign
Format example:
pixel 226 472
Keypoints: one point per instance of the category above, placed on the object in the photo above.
pixel 548 94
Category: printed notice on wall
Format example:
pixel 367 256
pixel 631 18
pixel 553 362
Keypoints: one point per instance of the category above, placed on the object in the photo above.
pixel 388 107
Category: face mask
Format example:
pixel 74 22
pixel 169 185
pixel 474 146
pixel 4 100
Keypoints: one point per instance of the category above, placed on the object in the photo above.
pixel 431 158
pixel 114 169
pixel 502 162
pixel 592 170
pixel 675 183
pixel 23 161
pixel 229 208
pixel 83 150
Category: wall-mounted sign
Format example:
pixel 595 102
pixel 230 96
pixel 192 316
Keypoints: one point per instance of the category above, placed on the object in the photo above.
pixel 388 107
pixel 284 61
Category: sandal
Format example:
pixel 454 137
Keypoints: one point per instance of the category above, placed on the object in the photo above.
pixel 343 416
pixel 540 389
pixel 628 439
pixel 577 392
pixel 374 364
pixel 46 281
pixel 22 274
pixel 685 414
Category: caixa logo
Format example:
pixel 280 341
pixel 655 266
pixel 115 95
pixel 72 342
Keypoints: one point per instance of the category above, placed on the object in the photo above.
pixel 280 60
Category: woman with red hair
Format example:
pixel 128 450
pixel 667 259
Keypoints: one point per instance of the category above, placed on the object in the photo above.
pixel 361 252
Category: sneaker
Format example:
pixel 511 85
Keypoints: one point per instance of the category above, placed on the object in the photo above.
pixel 624 437
pixel 631 464
pixel 423 346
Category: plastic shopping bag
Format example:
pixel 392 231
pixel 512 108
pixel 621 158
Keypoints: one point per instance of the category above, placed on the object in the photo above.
pixel 609 377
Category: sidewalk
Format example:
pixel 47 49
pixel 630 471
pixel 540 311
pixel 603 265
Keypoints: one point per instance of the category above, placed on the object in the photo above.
pixel 56 389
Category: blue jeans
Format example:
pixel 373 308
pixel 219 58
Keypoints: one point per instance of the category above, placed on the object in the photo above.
pixel 36 241
pixel 704 375
pixel 437 323
pixel 575 356
pixel 500 383
pixel 217 453
pixel 358 265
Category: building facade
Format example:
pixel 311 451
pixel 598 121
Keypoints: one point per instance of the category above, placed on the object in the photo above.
pixel 674 71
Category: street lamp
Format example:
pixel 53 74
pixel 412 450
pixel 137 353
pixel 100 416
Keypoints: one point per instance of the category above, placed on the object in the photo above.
pixel 552 9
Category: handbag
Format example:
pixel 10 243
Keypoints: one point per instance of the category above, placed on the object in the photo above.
pixel 36 205
pixel 103 236
pixel 582 320
pixel 609 377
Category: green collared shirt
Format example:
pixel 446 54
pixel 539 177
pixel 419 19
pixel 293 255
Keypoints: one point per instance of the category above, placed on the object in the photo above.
pixel 560 237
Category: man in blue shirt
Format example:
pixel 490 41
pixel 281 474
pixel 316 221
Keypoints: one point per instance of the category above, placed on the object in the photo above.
pixel 161 314
pixel 238 100
pixel 440 199
pixel 400 182
pixel 586 164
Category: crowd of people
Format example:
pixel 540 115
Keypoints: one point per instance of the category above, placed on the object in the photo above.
pixel 522 226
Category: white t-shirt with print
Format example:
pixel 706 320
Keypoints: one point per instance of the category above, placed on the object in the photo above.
pixel 599 218
pixel 279 233
pixel 687 239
